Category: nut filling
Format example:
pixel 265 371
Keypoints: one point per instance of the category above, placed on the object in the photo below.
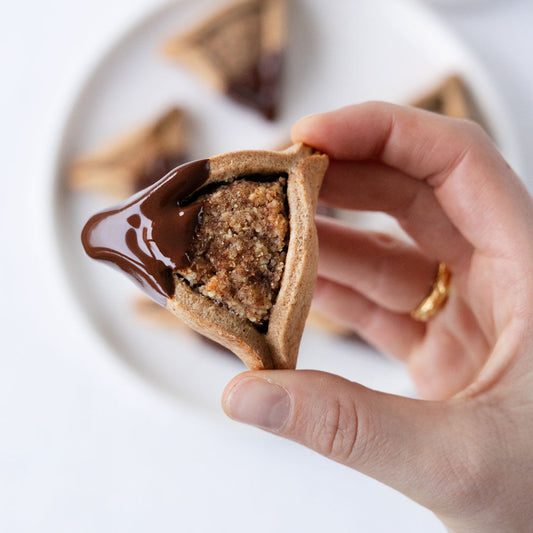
pixel 238 255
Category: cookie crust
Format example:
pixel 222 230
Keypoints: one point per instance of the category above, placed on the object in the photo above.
pixel 278 347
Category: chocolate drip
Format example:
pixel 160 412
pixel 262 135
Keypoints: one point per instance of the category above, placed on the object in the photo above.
pixel 149 235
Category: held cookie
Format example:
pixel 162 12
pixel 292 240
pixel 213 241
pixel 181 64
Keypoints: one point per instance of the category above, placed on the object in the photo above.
pixel 239 51
pixel 227 244
pixel 135 160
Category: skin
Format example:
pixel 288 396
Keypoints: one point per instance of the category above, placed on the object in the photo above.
pixel 464 448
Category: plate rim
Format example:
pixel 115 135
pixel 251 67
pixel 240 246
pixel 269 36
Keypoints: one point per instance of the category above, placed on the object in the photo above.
pixel 60 117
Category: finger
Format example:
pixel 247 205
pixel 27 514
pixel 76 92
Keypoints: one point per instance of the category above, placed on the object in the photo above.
pixel 372 186
pixel 392 333
pixel 476 188
pixel 354 184
pixel 443 356
pixel 401 442
pixel 452 353
pixel 390 272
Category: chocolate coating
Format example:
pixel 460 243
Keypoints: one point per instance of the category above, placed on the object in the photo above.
pixel 258 86
pixel 149 235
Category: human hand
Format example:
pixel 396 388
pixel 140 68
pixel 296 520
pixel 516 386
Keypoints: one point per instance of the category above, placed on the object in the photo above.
pixel 464 450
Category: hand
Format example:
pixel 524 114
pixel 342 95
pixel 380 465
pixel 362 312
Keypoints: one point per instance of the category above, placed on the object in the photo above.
pixel 465 450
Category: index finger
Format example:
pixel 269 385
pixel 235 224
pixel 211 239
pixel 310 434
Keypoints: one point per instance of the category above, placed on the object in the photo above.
pixel 476 188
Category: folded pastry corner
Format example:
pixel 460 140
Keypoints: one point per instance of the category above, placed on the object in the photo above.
pixel 228 245
pixel 239 51
pixel 135 160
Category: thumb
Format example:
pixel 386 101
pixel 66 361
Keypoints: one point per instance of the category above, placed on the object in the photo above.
pixel 399 441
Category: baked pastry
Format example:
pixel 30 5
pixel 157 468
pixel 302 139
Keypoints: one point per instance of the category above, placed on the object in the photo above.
pixel 149 311
pixel 227 244
pixel 452 98
pixel 238 50
pixel 135 160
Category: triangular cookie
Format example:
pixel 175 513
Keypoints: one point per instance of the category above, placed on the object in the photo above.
pixel 239 51
pixel 135 160
pixel 452 98
pixel 227 244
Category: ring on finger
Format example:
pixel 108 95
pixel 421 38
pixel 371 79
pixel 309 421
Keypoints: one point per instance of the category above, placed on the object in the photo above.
pixel 437 297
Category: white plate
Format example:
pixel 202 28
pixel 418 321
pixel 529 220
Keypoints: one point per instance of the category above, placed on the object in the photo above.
pixel 347 53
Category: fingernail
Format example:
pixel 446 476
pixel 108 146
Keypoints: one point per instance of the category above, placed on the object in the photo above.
pixel 258 402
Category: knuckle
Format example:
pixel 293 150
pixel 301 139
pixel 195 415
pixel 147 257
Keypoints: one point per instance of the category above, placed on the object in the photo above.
pixel 375 105
pixel 472 128
pixel 473 136
pixel 336 434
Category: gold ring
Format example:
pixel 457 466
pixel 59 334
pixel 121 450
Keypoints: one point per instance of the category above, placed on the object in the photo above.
pixel 436 299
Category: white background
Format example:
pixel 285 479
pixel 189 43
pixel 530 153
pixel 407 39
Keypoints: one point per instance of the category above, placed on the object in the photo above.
pixel 84 445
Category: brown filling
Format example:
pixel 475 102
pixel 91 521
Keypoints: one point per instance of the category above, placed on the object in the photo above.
pixel 239 251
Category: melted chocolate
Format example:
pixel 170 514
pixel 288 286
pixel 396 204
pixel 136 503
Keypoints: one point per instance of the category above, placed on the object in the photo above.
pixel 149 235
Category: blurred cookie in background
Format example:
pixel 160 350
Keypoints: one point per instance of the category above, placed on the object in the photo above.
pixel 134 160
pixel 453 98
pixel 239 51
